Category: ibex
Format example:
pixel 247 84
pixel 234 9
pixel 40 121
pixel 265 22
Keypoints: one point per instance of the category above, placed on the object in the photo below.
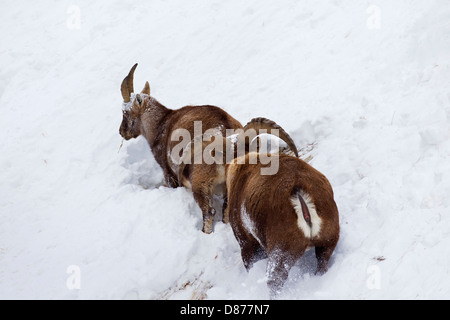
pixel 277 216
pixel 207 179
pixel 144 115
pixel 281 216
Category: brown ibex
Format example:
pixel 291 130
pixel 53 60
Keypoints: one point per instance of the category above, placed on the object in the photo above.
pixel 280 216
pixel 207 179
pixel 144 115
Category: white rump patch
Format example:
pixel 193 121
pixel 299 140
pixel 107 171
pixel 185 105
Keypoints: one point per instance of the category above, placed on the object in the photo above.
pixel 314 230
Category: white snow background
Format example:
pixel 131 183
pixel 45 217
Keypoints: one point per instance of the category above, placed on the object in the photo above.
pixel 363 86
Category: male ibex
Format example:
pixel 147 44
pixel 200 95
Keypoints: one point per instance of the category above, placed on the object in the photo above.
pixel 144 115
pixel 207 179
pixel 280 216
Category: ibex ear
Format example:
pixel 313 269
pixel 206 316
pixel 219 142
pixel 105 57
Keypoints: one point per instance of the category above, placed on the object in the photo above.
pixel 138 100
pixel 146 89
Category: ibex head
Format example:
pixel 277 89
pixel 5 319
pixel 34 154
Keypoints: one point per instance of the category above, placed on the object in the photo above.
pixel 133 107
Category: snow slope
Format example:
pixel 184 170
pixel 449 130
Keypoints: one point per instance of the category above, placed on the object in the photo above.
pixel 362 86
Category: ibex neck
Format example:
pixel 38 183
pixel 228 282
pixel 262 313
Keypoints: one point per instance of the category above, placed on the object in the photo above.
pixel 153 120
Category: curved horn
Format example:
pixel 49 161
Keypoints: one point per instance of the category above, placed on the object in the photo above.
pixel 127 85
pixel 264 123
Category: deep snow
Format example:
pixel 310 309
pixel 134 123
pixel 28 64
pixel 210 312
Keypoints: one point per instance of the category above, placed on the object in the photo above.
pixel 363 87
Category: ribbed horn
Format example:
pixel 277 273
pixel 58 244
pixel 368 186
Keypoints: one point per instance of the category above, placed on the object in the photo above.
pixel 127 85
pixel 263 123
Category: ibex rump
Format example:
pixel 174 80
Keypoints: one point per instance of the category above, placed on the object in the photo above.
pixel 280 216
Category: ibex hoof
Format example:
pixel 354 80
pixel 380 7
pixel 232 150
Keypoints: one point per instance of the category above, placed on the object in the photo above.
pixel 207 230
pixel 208 224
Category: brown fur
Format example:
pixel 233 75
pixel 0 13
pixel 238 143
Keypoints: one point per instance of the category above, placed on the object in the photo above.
pixel 275 233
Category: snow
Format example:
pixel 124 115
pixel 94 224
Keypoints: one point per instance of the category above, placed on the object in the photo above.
pixel 362 86
pixel 313 230
pixel 126 106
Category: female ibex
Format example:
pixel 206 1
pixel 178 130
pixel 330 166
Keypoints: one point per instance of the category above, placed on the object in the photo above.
pixel 280 216
pixel 144 115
